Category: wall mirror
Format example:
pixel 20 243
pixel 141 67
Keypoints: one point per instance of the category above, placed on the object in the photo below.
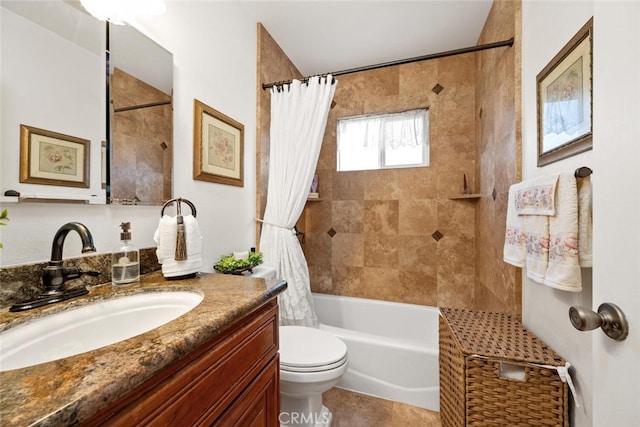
pixel 53 78
pixel 141 114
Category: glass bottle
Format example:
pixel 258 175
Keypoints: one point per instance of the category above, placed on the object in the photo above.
pixel 125 259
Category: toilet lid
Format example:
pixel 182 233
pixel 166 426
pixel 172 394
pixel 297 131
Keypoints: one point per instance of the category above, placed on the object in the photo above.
pixel 304 347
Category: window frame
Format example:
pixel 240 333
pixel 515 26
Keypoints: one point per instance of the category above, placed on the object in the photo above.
pixel 382 160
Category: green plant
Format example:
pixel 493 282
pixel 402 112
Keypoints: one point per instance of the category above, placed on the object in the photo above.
pixel 229 263
pixel 4 216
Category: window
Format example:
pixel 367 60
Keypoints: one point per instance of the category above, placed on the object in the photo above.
pixel 383 141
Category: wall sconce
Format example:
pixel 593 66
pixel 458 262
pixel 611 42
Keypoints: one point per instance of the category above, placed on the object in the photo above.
pixel 120 11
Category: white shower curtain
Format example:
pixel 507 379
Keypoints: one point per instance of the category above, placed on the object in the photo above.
pixel 298 120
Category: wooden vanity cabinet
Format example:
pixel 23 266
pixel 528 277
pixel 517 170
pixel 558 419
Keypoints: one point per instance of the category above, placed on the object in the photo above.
pixel 232 380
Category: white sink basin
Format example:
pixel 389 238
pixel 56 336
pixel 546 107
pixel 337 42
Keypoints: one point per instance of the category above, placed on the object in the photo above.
pixel 86 328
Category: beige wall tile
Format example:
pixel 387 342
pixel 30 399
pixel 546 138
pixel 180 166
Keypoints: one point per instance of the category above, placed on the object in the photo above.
pixel 347 249
pixel 348 186
pixel 381 216
pixel 381 250
pixel 347 216
pixel 418 253
pixel 417 217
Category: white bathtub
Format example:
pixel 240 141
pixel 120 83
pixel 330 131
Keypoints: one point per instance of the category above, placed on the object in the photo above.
pixel 393 347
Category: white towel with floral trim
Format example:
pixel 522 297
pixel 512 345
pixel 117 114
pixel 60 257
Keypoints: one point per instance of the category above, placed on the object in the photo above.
pixel 514 251
pixel 536 202
pixel 563 271
pixel 542 230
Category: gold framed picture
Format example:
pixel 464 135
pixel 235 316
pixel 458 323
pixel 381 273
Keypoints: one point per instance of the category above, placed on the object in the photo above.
pixel 564 97
pixel 218 147
pixel 52 158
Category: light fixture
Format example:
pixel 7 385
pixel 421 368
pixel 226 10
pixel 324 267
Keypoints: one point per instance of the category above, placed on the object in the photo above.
pixel 120 11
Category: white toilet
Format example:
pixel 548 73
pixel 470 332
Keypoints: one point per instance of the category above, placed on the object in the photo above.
pixel 312 361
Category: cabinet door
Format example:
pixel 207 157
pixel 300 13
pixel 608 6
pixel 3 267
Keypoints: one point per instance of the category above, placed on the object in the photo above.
pixel 206 383
pixel 259 404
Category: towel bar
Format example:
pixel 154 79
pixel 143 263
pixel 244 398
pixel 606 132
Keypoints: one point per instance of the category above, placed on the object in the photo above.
pixel 582 172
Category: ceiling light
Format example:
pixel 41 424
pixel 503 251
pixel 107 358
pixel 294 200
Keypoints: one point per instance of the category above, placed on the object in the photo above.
pixel 120 11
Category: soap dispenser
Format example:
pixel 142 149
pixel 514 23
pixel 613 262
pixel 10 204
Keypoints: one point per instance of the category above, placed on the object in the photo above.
pixel 125 259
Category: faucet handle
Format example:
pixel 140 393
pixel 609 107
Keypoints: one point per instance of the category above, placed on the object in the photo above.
pixel 90 272
pixel 75 272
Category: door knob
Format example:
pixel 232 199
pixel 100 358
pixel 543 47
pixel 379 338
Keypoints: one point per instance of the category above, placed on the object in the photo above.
pixel 609 317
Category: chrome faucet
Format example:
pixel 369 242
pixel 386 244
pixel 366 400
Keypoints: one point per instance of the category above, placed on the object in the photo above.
pixel 55 275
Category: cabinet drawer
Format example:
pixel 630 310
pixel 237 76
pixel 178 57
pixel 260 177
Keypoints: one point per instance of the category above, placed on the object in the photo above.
pixel 201 387
pixel 259 405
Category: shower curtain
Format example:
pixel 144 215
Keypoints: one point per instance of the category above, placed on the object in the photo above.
pixel 298 120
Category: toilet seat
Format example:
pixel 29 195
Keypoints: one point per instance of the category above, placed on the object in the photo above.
pixel 337 364
pixel 305 349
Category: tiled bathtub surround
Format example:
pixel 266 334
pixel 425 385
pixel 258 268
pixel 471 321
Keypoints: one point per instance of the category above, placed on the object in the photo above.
pixel 394 234
pixel 384 220
pixel 23 282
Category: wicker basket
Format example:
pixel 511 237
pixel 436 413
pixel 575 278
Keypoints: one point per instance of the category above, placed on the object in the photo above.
pixel 490 373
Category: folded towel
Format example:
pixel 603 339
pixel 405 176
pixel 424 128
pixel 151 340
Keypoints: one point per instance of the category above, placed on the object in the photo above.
pixel 585 223
pixel 514 251
pixel 563 271
pixel 165 237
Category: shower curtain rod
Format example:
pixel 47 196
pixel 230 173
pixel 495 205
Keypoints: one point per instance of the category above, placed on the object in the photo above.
pixel 404 61
pixel 136 107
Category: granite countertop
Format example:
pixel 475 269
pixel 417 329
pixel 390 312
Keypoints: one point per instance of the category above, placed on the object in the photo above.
pixel 70 390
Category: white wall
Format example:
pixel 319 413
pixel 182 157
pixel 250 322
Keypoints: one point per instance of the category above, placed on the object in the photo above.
pixel 546 27
pixel 214 47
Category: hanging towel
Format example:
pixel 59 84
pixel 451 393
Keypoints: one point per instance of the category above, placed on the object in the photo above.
pixel 535 202
pixel 536 237
pixel 585 223
pixel 514 252
pixel 537 196
pixel 542 230
pixel 165 237
pixel 564 269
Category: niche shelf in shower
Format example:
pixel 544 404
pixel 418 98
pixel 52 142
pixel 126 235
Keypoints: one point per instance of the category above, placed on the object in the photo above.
pixel 473 196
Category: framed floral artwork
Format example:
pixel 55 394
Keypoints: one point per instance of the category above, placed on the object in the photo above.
pixel 218 147
pixel 564 97
pixel 52 158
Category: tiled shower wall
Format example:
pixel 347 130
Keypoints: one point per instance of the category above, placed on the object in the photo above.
pixel 394 234
pixel 397 235
pixel 498 133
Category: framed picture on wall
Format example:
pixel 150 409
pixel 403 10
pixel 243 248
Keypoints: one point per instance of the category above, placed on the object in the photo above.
pixel 564 97
pixel 52 158
pixel 218 147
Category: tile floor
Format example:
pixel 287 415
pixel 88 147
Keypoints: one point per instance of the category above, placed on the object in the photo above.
pixel 357 410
